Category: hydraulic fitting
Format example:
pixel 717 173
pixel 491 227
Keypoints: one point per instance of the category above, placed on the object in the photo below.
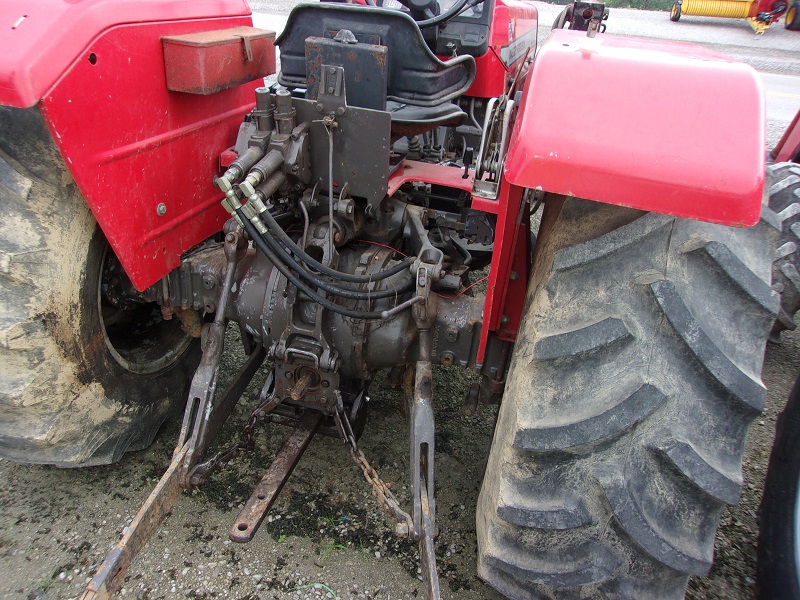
pixel 238 168
pixel 261 171
pixel 284 111
pixel 264 112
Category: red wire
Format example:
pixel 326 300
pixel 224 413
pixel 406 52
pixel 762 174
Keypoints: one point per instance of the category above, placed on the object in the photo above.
pixel 464 290
pixel 384 246
pixel 461 293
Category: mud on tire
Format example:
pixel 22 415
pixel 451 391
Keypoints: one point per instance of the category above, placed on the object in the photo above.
pixel 75 389
pixel 634 381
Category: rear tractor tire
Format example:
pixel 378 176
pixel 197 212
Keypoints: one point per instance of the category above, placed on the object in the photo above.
pixel 81 382
pixel 633 384
pixel 783 214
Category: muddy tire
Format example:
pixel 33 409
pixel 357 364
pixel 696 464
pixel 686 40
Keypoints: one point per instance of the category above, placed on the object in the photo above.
pixel 75 388
pixel 633 384
pixel 779 514
pixel 784 215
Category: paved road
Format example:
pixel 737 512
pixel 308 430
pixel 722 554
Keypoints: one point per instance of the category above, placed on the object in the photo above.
pixel 783 96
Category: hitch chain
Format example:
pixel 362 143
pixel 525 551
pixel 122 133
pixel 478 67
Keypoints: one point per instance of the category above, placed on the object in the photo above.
pixel 380 490
pixel 201 472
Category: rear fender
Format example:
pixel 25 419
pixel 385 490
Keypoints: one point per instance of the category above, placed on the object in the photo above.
pixel 142 156
pixel 660 126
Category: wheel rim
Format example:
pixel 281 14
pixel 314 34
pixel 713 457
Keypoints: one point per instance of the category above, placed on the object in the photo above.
pixel 138 338
pixel 789 18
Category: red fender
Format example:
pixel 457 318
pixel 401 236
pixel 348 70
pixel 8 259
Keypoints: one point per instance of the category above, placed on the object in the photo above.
pixel 142 156
pixel 660 126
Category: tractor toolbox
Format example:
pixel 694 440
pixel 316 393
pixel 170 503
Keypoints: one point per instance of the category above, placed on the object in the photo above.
pixel 209 61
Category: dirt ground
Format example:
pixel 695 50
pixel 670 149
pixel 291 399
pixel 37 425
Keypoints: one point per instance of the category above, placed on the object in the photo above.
pixel 326 537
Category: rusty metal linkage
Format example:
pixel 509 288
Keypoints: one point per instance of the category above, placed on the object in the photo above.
pixel 251 516
pixel 427 555
pixel 109 576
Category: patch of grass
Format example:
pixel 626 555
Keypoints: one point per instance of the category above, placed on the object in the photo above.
pixel 330 548
pixel 43 584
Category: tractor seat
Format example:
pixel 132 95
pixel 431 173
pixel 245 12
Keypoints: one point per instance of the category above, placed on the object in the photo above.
pixel 410 120
pixel 387 64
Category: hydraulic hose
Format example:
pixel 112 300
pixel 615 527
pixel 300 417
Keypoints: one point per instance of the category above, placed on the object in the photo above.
pixel 279 233
pixel 313 279
pixel 286 272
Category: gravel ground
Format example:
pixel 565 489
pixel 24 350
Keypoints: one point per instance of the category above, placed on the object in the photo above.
pixel 326 537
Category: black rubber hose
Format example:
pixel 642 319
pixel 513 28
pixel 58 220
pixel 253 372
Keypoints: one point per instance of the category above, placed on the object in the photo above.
pixel 286 272
pixel 313 279
pixel 279 233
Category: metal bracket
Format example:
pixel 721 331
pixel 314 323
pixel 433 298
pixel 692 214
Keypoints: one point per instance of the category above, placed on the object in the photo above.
pixel 110 575
pixel 331 98
pixel 422 445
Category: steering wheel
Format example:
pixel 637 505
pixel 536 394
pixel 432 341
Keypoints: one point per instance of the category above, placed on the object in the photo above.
pixel 426 9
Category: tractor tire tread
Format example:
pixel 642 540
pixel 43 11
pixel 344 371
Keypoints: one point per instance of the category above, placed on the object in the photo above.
pixel 55 408
pixel 783 213
pixel 630 429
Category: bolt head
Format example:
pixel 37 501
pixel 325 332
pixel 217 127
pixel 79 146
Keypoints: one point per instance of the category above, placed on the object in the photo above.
pixel 161 209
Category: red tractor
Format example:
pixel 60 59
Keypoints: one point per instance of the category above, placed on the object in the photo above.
pixel 154 191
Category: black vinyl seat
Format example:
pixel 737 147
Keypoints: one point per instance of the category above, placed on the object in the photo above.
pixel 387 64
